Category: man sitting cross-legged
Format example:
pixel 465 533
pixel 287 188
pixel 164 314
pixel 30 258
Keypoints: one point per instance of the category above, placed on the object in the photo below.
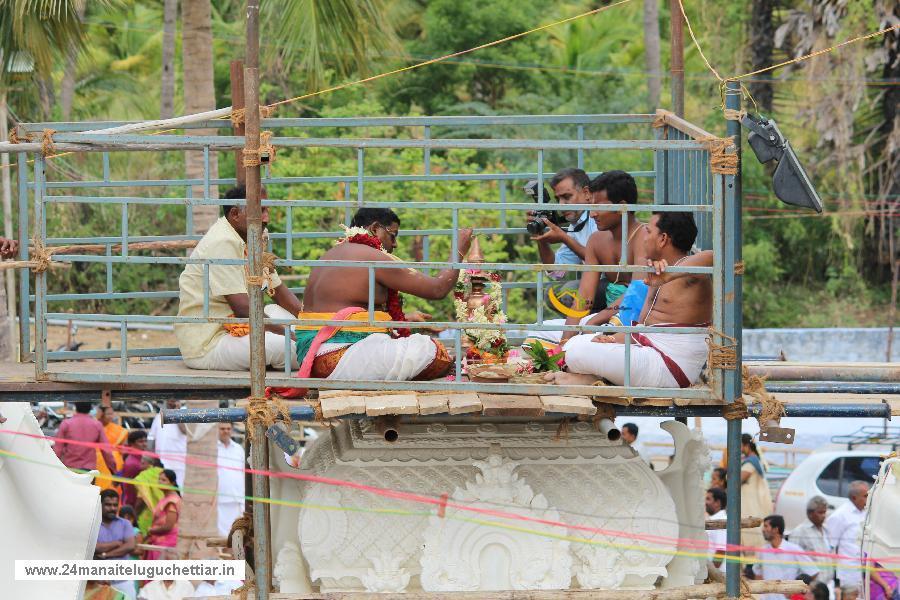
pixel 227 347
pixel 674 300
pixel 341 293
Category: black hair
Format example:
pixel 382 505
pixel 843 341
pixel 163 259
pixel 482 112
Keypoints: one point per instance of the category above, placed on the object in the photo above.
pixel 631 428
pixel 819 590
pixel 722 473
pixel 719 496
pixel 680 227
pixel 137 434
pixel 579 178
pixel 748 439
pixel 366 216
pixel 170 475
pixel 238 192
pixel 126 511
pixel 620 187
pixel 108 494
pixel 775 522
pixel 83 407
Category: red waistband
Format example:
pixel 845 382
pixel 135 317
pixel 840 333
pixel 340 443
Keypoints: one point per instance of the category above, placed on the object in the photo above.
pixel 673 366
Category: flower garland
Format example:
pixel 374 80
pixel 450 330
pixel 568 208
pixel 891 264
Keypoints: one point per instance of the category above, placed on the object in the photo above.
pixel 358 235
pixel 484 341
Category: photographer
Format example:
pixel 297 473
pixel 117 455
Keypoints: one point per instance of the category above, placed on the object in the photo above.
pixel 570 186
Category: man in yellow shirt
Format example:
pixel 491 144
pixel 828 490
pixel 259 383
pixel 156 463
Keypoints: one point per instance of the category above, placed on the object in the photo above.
pixel 213 345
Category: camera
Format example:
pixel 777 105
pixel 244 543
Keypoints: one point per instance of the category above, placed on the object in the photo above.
pixel 536 226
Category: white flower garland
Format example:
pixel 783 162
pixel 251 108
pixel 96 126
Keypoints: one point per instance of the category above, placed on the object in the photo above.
pixel 484 340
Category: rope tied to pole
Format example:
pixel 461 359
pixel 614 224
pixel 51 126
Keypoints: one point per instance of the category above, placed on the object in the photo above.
pixel 722 156
pixel 268 267
pixel 722 356
pixel 265 411
pixel 264 154
pixel 659 120
pixel 734 115
pixel 47 147
pixel 739 267
pixel 604 411
pixel 735 411
pixel 771 409
pixel 238 115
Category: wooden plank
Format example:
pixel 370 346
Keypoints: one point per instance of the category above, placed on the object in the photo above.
pixel 511 405
pixel 895 407
pixel 337 406
pixel 576 405
pixel 463 403
pixel 396 404
pixel 433 404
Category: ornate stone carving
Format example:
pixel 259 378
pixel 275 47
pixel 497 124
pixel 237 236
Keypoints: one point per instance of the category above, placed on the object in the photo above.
pixel 599 488
pixel 461 555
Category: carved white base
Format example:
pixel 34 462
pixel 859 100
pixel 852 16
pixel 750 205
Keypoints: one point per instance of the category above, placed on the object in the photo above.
pixel 621 518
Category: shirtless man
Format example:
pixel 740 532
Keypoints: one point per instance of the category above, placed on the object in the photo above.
pixel 674 300
pixel 367 352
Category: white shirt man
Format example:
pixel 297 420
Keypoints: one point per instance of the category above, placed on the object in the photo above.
pixel 170 442
pixel 812 536
pixel 715 508
pixel 230 500
pixel 771 565
pixel 844 528
pixel 166 590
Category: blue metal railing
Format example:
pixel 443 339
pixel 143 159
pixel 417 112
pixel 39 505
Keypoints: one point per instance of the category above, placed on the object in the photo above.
pixel 681 176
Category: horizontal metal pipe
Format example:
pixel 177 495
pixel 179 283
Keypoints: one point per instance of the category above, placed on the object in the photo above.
pixel 869 372
pixel 52 393
pixel 834 387
pixel 453 121
pixel 213 415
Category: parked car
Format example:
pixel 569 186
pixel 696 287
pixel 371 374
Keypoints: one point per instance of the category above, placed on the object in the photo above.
pixel 828 472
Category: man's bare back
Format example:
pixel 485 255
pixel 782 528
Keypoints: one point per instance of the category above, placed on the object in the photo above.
pixel 686 300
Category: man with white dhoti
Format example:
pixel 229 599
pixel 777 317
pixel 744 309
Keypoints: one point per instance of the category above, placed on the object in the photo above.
pixel 227 347
pixel 673 300
pixel 230 473
pixel 370 352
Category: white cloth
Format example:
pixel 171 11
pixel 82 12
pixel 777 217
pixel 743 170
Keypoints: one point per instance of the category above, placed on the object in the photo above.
pixel 647 367
pixel 717 537
pixel 812 539
pixel 379 357
pixel 231 353
pixel 171 444
pixel 156 590
pixel 770 565
pixel 206 589
pixel 555 336
pixel 844 528
pixel 230 502
pixel 565 255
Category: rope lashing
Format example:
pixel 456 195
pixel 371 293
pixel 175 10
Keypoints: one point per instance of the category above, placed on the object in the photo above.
pixel 771 409
pixel 238 115
pixel 722 156
pixel 722 356
pixel 265 411
pixel 659 120
pixel 739 268
pixel 264 154
pixel 734 115
pixel 736 410
pixel 47 147
pixel 604 411
pixel 268 268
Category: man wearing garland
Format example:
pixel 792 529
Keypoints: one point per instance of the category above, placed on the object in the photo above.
pixel 342 293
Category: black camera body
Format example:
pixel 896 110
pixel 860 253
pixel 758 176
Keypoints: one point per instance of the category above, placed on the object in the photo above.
pixel 535 225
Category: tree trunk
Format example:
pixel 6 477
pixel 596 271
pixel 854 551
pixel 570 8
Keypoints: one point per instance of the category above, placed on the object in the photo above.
pixel 651 52
pixel 199 96
pixel 47 96
pixel 67 86
pixel 167 86
pixel 762 42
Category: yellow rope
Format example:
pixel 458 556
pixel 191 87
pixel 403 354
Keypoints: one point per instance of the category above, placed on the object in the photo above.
pixel 696 43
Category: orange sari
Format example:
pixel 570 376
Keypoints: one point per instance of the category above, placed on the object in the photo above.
pixel 116 435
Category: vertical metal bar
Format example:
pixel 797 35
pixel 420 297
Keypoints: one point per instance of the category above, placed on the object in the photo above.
pixel 189 217
pixel 426 248
pixel 206 173
pixel 123 347
pixel 427 136
pixel 677 57
pixel 371 301
pixel 106 167
pixel 124 229
pixel 287 351
pixel 540 297
pixel 206 290
pixel 40 279
pixel 454 239
pixel 503 200
pixel 24 280
pixel 237 102
pixel 718 248
pixel 540 174
pixel 732 321
pixel 457 352
pixel 289 233
pixel 623 259
pixel 260 449
pixel 109 270
pixel 627 382
pixel 581 150
pixel 348 214
pixel 360 171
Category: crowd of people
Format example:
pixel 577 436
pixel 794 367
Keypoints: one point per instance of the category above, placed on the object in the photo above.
pixel 811 546
pixel 141 475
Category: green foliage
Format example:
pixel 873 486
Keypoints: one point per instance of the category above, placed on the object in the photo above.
pixel 541 360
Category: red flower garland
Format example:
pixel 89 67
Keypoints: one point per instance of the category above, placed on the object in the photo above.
pixel 394 301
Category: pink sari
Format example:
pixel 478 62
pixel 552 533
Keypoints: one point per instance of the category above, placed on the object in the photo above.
pixel 170 538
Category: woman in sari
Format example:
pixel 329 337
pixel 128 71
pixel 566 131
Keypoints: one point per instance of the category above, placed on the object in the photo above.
pixel 164 529
pixel 149 493
pixel 115 435
pixel 756 500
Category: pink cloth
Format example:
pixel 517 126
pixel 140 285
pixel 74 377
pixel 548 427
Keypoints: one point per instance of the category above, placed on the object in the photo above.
pixel 81 428
pixel 170 538
pixel 130 469
pixel 876 592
